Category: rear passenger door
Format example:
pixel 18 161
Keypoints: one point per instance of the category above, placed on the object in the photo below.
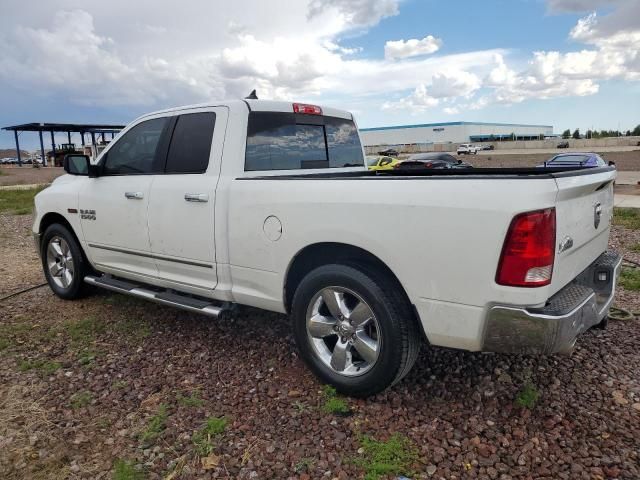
pixel 181 203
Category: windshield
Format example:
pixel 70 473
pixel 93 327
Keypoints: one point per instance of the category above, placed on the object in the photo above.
pixel 569 159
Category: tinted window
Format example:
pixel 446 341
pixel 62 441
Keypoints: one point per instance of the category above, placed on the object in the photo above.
pixel 285 141
pixel 447 158
pixel 343 142
pixel 191 143
pixel 135 151
pixel 569 159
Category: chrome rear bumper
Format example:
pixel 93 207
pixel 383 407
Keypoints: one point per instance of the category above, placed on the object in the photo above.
pixel 554 328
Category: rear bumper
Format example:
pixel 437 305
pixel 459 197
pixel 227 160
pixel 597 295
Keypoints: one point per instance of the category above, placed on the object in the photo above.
pixel 554 328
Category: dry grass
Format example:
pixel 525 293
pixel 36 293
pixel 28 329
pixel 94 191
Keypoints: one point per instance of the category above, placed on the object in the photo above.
pixel 24 428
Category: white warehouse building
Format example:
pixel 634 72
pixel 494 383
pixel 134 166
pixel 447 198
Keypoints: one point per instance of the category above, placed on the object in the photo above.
pixel 452 132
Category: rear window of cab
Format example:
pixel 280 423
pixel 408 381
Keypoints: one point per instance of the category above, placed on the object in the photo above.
pixel 290 141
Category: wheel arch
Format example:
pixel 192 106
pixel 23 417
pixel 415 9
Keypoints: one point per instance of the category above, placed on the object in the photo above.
pixel 51 218
pixel 323 253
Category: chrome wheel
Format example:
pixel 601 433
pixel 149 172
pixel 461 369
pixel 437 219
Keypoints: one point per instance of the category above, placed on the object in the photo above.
pixel 343 331
pixel 60 262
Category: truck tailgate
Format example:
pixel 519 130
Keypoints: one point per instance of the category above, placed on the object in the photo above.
pixel 584 208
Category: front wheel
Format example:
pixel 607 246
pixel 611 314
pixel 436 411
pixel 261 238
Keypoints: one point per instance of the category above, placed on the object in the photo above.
pixel 63 263
pixel 354 328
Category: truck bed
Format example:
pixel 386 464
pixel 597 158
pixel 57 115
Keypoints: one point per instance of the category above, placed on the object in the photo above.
pixel 475 173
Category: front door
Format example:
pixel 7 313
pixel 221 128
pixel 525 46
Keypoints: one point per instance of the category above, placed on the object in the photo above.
pixel 182 200
pixel 114 206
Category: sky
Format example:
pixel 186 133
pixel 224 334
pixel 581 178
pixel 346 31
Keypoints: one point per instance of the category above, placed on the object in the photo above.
pixel 566 63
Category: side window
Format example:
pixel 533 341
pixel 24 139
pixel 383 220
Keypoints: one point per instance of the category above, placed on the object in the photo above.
pixel 135 152
pixel 385 161
pixel 191 143
pixel 284 141
pixel 343 143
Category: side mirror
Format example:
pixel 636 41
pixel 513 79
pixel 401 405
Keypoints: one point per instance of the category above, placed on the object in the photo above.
pixel 459 161
pixel 612 164
pixel 75 164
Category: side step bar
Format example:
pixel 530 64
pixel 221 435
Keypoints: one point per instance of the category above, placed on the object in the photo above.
pixel 164 297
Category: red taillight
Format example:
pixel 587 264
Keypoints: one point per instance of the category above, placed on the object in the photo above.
pixel 306 109
pixel 428 164
pixel 529 250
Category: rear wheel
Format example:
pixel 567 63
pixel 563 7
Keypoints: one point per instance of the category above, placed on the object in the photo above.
pixel 63 263
pixel 354 328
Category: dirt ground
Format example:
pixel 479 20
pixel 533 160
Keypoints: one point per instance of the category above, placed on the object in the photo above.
pixel 111 384
pixel 27 175
pixel 624 160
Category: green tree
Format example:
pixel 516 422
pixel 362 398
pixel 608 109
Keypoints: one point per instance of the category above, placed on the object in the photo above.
pixel 576 133
pixel 589 134
pixel 628 134
pixel 566 133
pixel 636 131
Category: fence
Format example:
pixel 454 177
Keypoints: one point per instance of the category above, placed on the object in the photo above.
pixel 512 145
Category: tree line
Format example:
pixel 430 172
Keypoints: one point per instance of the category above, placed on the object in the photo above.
pixel 601 133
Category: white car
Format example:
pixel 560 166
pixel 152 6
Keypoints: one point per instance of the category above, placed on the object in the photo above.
pixel 467 149
pixel 269 204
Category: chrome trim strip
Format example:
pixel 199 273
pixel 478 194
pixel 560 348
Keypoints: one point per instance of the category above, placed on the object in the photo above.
pixel 151 255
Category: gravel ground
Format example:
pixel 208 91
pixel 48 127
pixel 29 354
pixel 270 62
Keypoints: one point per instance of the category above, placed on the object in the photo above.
pixel 85 384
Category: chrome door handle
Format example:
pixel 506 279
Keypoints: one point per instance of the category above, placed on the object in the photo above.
pixel 134 195
pixel 196 197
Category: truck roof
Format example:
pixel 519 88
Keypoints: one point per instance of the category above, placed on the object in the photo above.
pixel 254 105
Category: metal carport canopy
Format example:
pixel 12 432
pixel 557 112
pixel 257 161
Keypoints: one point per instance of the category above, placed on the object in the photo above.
pixel 69 128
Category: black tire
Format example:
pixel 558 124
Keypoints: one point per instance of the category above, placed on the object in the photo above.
pixel 76 288
pixel 401 338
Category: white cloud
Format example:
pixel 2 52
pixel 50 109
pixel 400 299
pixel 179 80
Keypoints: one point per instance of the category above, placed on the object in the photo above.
pixel 446 87
pixel 191 52
pixel 410 48
pixel 158 63
pixel 359 13
pixel 579 6
pixel 454 84
pixel 613 51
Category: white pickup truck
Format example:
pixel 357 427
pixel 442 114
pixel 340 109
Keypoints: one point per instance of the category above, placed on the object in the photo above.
pixel 269 204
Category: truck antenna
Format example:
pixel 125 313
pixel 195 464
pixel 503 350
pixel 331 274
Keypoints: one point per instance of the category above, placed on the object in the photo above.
pixel 252 95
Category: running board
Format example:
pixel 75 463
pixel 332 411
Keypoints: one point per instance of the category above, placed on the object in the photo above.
pixel 164 297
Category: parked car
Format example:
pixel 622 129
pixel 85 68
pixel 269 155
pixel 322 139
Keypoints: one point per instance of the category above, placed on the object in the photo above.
pixel 365 265
pixel 488 147
pixel 431 160
pixel 467 149
pixel 381 162
pixel 564 160
pixel 389 152
pixel 564 144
